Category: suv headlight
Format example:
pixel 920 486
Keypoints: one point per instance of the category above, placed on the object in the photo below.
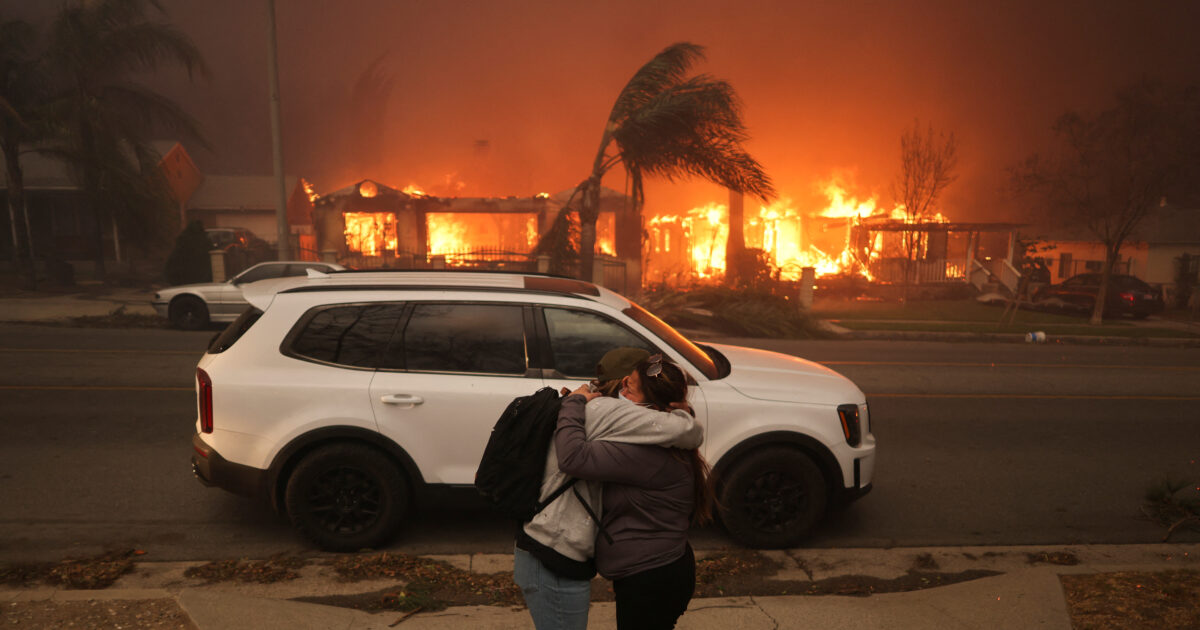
pixel 851 423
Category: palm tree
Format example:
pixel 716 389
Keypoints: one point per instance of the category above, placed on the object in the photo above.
pixel 105 120
pixel 19 96
pixel 668 124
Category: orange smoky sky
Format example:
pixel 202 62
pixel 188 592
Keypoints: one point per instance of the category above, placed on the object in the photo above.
pixel 509 97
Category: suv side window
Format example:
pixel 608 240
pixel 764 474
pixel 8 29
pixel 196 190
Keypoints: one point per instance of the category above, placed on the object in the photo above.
pixel 352 335
pixel 578 339
pixel 477 338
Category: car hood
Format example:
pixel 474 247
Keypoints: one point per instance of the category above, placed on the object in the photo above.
pixel 766 375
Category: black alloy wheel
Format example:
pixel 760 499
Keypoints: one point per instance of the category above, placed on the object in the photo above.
pixel 188 313
pixel 346 497
pixel 773 498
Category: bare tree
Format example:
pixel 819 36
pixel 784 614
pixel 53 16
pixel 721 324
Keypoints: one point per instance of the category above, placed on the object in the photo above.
pixel 927 164
pixel 1109 170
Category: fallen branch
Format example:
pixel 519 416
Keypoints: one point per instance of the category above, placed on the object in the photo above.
pixel 404 617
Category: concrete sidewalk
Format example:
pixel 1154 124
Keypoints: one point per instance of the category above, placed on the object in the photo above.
pixel 57 307
pixel 1025 592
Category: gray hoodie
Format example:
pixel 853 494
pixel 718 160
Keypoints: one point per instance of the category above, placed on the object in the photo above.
pixel 564 525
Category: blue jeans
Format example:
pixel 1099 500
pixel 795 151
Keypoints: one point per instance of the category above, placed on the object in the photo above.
pixel 554 602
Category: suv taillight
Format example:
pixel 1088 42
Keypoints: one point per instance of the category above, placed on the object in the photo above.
pixel 851 425
pixel 204 399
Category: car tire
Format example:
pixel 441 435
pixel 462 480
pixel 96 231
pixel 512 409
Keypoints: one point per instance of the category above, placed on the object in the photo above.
pixel 346 497
pixel 772 498
pixel 188 313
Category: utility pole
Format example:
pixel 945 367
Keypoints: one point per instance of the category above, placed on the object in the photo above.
pixel 284 245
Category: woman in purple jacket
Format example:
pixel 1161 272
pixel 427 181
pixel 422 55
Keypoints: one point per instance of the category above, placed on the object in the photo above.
pixel 652 494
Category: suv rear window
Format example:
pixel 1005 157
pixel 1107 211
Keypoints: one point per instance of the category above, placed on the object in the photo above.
pixel 234 331
pixel 352 335
pixel 476 338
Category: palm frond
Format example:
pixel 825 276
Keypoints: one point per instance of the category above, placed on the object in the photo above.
pixel 141 105
pixel 91 42
pixel 666 69
pixel 146 45
pixel 693 129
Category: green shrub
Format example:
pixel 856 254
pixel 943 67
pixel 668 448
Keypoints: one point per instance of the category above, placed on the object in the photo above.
pixel 746 312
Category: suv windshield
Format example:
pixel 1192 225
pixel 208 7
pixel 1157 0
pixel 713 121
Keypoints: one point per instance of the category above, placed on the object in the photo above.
pixel 689 350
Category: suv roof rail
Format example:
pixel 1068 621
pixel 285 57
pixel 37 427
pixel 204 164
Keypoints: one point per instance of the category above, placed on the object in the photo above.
pixel 499 272
pixel 411 280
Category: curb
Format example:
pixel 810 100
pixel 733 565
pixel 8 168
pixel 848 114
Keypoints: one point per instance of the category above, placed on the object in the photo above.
pixel 1025 591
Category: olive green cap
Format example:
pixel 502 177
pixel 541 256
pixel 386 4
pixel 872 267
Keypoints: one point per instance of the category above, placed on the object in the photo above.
pixel 619 363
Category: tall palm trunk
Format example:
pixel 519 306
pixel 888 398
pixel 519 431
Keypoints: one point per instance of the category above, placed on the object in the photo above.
pixel 16 206
pixel 91 187
pixel 735 243
pixel 589 213
pixel 589 209
pixel 13 173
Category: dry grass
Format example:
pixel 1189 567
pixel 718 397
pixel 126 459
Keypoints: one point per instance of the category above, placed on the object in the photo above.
pixel 1133 600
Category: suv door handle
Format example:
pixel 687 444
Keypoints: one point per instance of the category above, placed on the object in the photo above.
pixel 401 399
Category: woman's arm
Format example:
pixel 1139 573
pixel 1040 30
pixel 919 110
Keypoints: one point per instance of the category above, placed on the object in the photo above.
pixel 598 460
pixel 622 421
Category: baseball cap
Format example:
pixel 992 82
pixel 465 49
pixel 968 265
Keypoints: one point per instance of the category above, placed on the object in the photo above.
pixel 619 363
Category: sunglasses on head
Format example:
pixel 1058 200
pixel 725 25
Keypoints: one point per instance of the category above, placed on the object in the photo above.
pixel 655 366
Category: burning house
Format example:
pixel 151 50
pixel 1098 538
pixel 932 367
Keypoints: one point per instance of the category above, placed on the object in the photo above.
pixel 371 225
pixel 846 238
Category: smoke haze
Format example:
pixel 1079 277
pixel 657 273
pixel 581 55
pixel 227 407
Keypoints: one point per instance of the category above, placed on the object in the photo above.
pixel 509 98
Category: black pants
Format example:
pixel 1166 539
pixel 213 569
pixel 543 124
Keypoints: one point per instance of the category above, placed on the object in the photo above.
pixel 655 599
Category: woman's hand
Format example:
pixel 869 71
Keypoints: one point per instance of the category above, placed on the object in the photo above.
pixel 586 391
pixel 684 406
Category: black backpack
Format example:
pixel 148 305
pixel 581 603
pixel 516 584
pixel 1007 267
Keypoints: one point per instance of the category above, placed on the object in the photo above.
pixel 514 461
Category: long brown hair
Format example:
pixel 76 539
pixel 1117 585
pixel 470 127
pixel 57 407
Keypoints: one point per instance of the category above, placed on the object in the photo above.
pixel 670 385
pixel 704 496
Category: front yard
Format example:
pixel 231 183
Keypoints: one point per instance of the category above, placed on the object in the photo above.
pixel 968 315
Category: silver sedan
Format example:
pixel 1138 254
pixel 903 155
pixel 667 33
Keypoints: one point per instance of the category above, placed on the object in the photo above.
pixel 194 306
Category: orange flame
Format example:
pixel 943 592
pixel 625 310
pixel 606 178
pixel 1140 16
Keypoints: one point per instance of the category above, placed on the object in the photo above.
pixel 789 239
pixel 370 233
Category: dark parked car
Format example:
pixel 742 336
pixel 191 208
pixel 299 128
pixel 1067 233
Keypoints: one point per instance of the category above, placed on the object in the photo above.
pixel 1127 295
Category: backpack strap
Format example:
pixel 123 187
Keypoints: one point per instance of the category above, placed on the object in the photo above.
pixel 570 484
pixel 554 495
pixel 592 513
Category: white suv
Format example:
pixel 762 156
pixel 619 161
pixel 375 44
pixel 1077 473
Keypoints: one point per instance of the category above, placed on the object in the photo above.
pixel 337 397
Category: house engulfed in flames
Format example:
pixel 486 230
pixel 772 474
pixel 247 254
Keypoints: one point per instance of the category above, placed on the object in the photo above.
pixel 371 225
pixel 847 238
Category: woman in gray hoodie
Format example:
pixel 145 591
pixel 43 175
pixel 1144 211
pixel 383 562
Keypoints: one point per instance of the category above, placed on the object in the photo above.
pixel 553 562
pixel 652 494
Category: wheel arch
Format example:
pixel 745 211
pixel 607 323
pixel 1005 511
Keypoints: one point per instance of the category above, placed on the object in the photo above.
pixel 820 454
pixel 286 459
pixel 187 296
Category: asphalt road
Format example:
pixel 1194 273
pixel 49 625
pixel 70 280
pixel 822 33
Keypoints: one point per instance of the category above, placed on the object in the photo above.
pixel 979 444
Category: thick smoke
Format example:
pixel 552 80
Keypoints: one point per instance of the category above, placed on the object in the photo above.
pixel 508 98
